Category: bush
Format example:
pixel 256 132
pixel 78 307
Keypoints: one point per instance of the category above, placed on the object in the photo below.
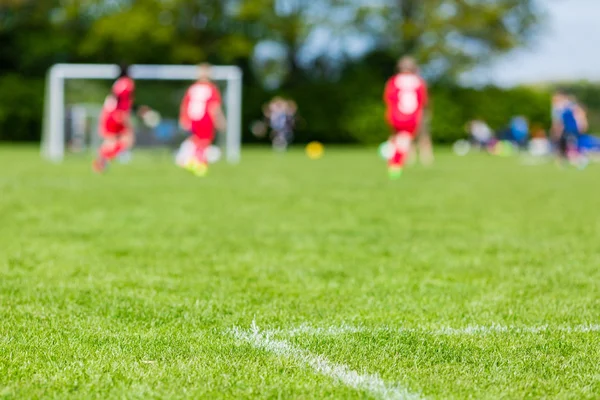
pixel 452 108
pixel 351 112
pixel 21 106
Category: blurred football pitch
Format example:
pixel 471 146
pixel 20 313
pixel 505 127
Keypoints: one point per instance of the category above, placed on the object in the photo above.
pixel 285 277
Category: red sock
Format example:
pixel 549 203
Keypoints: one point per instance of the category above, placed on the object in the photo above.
pixel 397 160
pixel 111 152
pixel 201 154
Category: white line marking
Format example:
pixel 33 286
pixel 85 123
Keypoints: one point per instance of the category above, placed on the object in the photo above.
pixel 471 330
pixel 370 383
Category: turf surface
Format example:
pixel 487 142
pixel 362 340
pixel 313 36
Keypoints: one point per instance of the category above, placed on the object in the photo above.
pixel 128 285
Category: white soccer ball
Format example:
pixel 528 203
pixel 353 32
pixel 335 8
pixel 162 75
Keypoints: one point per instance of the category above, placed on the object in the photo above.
pixel 213 154
pixel 151 118
pixel 461 148
pixel 386 150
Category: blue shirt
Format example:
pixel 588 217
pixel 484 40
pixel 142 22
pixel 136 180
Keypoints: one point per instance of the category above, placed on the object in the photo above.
pixel 519 128
pixel 566 115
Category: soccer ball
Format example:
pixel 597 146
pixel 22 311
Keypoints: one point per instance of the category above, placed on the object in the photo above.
pixel 461 147
pixel 386 150
pixel 213 154
pixel 314 150
pixel 151 118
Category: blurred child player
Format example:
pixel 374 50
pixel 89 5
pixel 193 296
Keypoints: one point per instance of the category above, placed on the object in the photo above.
pixel 405 98
pixel 200 114
pixel 115 125
pixel 115 120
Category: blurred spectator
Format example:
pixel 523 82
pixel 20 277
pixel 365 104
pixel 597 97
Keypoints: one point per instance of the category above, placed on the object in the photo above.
pixel 519 131
pixel 539 145
pixel 569 121
pixel 290 121
pixel 480 133
pixel 580 115
pixel 281 115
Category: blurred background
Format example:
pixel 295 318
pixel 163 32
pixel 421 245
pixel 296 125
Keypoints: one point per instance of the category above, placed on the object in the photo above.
pixel 484 60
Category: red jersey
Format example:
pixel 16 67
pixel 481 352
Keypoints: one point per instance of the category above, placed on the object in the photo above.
pixel 405 97
pixel 123 90
pixel 117 106
pixel 195 114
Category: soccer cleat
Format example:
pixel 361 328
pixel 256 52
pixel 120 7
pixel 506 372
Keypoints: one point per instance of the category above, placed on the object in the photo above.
pixel 197 168
pixel 394 173
pixel 190 165
pixel 99 165
pixel 201 170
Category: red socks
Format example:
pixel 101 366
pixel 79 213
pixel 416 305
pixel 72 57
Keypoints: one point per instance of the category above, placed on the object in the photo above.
pixel 397 160
pixel 201 154
pixel 110 153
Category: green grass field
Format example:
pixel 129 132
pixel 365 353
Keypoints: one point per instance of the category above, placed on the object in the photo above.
pixel 289 278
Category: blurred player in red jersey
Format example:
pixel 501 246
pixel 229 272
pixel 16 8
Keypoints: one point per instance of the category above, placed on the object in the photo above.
pixel 201 114
pixel 115 126
pixel 115 120
pixel 405 98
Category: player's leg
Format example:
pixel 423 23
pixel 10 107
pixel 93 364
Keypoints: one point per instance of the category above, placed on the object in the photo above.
pixel 99 163
pixel 109 142
pixel 562 147
pixel 115 143
pixel 413 154
pixel 424 140
pixel 111 147
pixel 577 156
pixel 202 137
pixel 186 152
pixel 426 149
pixel 199 165
pixel 401 143
pixel 279 142
pixel 117 137
pixel 109 131
pixel 126 140
pixel 125 144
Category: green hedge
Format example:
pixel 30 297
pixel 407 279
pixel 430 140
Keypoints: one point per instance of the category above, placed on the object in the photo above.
pixel 333 113
pixel 360 118
pixel 21 106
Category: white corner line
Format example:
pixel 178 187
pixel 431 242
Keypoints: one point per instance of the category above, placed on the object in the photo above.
pixel 471 330
pixel 370 383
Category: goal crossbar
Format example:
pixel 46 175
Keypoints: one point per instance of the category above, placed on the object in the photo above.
pixel 53 135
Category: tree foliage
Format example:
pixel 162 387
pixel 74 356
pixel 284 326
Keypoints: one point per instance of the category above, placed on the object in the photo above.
pixel 450 36
pixel 337 51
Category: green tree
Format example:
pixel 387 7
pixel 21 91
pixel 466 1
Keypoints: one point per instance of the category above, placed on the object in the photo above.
pixel 306 37
pixel 155 31
pixel 36 34
pixel 450 36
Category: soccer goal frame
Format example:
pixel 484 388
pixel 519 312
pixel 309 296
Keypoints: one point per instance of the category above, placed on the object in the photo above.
pixel 53 134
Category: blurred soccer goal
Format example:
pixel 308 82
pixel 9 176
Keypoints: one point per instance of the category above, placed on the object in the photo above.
pixel 71 110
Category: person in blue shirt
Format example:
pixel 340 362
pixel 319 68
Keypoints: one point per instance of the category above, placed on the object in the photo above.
pixel 519 128
pixel 568 123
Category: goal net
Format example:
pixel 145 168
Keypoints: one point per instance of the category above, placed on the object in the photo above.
pixel 71 120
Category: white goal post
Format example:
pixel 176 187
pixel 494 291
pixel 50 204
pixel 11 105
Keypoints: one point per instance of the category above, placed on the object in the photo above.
pixel 53 135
